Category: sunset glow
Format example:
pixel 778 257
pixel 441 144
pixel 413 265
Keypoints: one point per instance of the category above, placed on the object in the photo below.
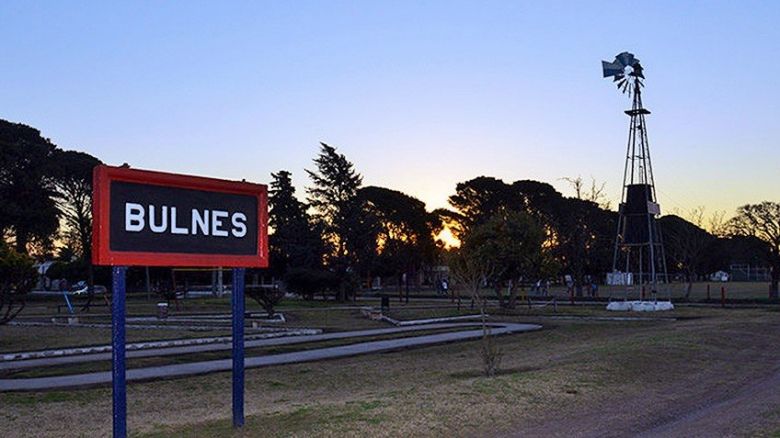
pixel 418 104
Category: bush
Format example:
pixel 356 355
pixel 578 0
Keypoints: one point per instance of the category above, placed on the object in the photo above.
pixel 307 282
pixel 73 271
pixel 490 353
pixel 267 297
pixel 17 278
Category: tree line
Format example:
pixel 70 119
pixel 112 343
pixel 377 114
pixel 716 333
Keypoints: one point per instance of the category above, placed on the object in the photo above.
pixel 343 234
pixel 45 196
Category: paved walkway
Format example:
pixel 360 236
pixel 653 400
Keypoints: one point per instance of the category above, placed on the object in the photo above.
pixel 31 359
pixel 186 369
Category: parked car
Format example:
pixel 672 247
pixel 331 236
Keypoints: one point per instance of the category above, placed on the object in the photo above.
pixel 82 288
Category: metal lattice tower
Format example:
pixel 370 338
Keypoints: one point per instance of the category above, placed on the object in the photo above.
pixel 639 247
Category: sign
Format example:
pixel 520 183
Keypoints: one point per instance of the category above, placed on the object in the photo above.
pixel 145 218
pixel 161 219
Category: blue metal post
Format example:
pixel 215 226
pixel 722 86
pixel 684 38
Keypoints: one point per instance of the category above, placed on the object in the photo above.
pixel 237 296
pixel 118 352
pixel 67 301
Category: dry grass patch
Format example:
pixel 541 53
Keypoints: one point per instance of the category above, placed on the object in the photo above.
pixel 565 373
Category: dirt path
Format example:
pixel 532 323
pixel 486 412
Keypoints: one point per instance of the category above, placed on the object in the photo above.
pixel 740 414
pixel 733 391
pixel 714 413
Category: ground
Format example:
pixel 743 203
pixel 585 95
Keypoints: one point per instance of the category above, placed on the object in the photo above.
pixel 711 372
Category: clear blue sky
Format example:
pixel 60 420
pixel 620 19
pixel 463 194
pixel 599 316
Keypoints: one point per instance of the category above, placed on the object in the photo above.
pixel 419 95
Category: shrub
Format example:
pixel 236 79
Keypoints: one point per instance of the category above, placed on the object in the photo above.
pixel 307 282
pixel 17 278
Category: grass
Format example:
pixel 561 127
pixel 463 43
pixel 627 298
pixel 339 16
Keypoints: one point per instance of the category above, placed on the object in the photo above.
pixel 32 400
pixel 342 418
pixel 568 371
pixel 22 338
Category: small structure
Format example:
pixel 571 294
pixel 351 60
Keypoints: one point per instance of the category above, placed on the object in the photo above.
pixel 720 276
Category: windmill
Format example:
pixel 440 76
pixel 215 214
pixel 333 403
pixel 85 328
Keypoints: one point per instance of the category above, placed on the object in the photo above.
pixel 638 256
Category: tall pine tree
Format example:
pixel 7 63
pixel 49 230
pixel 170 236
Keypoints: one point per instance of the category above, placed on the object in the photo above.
pixel 294 243
pixel 339 211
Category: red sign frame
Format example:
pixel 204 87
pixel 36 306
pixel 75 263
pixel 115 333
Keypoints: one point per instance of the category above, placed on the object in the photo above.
pixel 101 200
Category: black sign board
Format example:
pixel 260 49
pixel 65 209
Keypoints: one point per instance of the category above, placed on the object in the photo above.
pixel 155 219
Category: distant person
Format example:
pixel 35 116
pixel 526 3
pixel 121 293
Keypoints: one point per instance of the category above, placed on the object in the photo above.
pixel 445 286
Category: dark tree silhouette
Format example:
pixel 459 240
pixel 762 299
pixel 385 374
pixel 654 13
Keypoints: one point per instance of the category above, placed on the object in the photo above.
pixel 762 221
pixel 686 244
pixel 72 172
pixel 583 239
pixel 578 232
pixel 403 240
pixel 296 248
pixel 28 212
pixel 17 278
pixel 514 242
pixel 339 212
pixel 477 200
pixel 294 241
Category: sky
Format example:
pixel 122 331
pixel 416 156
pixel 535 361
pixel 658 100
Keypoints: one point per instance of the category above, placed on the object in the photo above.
pixel 419 95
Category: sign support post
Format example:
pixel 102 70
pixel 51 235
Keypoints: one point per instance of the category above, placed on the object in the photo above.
pixel 237 297
pixel 119 389
pixel 147 218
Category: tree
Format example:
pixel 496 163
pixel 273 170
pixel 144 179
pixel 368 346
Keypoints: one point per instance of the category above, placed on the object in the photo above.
pixel 582 238
pixel 686 244
pixel 511 242
pixel 17 278
pixel 762 221
pixel 473 265
pixel 72 177
pixel 28 212
pixel 294 242
pixel 477 200
pixel 296 248
pixel 578 233
pixel 339 213
pixel 266 297
pixel 595 193
pixel 403 239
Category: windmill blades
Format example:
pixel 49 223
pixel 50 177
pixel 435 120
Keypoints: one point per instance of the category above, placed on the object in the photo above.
pixel 626 80
pixel 625 59
pixel 638 71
